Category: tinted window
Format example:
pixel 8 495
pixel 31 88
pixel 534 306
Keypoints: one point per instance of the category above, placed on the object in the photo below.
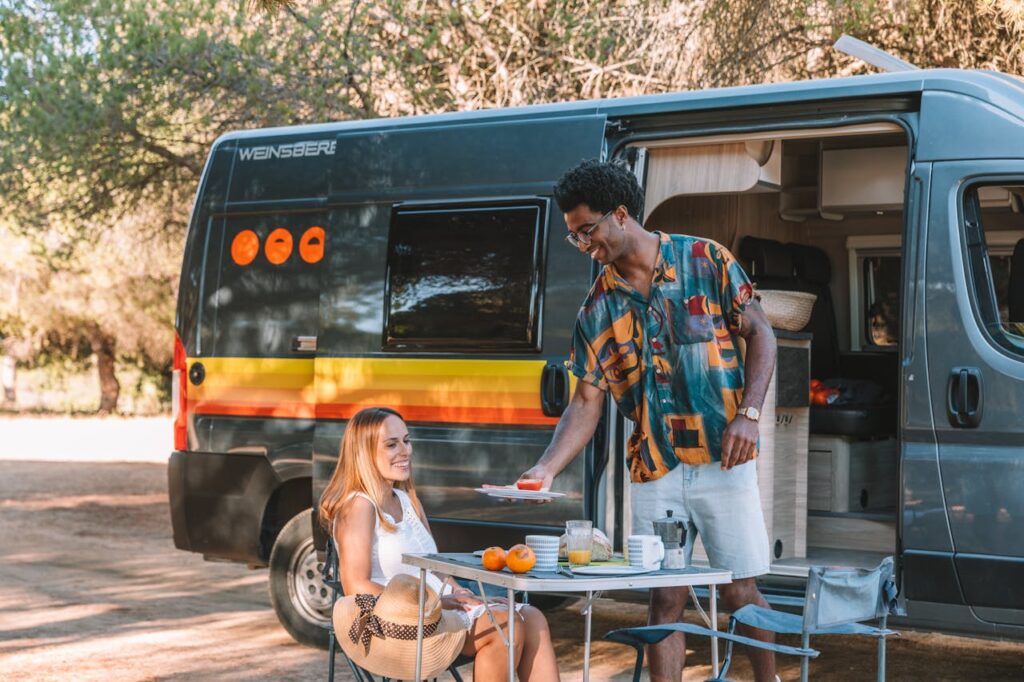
pixel 992 229
pixel 266 288
pixel 465 278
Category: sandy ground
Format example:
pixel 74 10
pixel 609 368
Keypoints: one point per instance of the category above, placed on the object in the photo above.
pixel 91 587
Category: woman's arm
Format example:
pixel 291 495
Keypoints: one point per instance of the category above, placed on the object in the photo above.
pixel 354 536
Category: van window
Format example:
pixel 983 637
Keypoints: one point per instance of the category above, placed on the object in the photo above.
pixel 993 227
pixel 882 300
pixel 464 277
pixel 265 276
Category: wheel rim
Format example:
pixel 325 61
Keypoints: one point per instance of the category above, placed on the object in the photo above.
pixel 311 597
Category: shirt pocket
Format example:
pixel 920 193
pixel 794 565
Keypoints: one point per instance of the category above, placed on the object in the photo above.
pixel 692 322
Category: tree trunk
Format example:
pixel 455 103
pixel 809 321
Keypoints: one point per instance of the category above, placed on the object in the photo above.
pixel 103 346
pixel 8 378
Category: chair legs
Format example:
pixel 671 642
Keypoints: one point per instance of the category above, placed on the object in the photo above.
pixel 330 658
pixel 881 651
pixel 639 667
pixel 805 662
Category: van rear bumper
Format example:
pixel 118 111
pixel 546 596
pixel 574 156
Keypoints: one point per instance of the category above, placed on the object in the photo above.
pixel 217 501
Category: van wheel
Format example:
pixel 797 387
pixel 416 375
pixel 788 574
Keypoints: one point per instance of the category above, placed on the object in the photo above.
pixel 301 599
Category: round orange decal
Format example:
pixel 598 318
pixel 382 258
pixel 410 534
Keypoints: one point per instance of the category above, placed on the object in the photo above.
pixel 244 247
pixel 311 246
pixel 279 246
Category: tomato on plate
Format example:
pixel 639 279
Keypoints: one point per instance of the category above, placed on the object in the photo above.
pixel 529 484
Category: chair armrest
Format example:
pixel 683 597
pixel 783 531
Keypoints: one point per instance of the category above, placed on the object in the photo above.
pixel 652 634
pixel 767 619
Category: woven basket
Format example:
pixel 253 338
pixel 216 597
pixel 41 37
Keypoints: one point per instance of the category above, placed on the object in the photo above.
pixel 789 310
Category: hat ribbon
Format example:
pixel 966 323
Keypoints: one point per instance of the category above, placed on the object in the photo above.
pixel 367 625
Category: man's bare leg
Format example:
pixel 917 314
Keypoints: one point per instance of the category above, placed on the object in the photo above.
pixel 666 658
pixel 735 595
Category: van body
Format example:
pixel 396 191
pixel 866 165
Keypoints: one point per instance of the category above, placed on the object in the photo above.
pixel 419 263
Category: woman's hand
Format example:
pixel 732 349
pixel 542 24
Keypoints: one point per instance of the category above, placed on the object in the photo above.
pixel 465 602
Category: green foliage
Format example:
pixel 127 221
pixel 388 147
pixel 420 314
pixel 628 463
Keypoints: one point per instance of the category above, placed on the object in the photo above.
pixel 109 107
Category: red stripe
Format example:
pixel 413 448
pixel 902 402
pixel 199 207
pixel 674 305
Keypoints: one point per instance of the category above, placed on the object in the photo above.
pixel 413 413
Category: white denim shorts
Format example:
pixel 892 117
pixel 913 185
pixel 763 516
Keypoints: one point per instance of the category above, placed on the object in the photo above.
pixel 723 507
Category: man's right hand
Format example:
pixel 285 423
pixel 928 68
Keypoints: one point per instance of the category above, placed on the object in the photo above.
pixel 539 473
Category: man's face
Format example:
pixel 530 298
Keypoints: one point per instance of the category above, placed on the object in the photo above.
pixel 604 230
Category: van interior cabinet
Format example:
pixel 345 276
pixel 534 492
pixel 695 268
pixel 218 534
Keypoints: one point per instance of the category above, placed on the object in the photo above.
pixel 782 458
pixel 847 475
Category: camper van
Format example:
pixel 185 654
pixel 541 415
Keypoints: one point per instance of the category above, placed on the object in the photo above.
pixel 419 263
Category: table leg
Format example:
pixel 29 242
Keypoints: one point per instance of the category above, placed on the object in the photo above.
pixel 714 627
pixel 419 625
pixel 511 635
pixel 586 637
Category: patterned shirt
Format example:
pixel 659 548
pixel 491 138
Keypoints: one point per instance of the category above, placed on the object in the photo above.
pixel 671 361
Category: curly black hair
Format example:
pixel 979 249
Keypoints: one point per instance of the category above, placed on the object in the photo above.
pixel 602 186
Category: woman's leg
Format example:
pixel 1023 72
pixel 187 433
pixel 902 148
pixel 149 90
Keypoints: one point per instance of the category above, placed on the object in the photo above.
pixel 487 646
pixel 537 663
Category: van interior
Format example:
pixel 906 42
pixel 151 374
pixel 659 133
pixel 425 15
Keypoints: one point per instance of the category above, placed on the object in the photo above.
pixel 817 211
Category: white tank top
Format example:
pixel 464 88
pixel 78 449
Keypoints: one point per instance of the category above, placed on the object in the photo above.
pixel 409 536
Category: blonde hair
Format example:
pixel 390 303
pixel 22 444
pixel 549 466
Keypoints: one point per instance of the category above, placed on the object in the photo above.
pixel 356 471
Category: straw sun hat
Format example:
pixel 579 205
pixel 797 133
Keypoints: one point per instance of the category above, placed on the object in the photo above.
pixel 379 633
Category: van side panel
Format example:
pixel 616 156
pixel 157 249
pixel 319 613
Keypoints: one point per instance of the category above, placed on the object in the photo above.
pixel 474 414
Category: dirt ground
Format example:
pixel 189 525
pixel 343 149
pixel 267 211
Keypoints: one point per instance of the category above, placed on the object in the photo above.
pixel 91 588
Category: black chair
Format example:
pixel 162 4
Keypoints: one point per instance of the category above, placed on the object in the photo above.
pixel 333 581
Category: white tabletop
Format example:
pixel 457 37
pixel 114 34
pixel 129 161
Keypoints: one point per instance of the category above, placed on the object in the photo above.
pixel 467 566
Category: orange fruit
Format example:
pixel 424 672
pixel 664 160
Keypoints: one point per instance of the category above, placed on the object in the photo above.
pixel 520 559
pixel 493 558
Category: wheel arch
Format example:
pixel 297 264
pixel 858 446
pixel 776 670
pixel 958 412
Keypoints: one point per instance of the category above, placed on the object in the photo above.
pixel 294 494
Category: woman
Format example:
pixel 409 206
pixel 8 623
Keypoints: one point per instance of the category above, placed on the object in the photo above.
pixel 371 509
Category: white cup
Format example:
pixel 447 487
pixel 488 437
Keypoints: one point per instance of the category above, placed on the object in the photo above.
pixel 545 547
pixel 645 551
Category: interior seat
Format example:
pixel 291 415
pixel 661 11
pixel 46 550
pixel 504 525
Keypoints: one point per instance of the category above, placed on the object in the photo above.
pixel 799 267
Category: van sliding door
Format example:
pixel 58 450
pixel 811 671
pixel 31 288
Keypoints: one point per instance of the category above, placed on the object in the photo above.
pixel 975 331
pixel 450 295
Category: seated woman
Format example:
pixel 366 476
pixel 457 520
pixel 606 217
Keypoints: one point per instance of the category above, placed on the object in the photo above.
pixel 371 509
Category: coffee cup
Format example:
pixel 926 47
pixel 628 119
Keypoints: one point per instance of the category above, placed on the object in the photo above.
pixel 645 551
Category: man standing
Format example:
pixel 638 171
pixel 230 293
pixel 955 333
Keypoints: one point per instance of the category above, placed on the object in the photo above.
pixel 659 330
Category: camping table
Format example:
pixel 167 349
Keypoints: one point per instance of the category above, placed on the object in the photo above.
pixel 467 567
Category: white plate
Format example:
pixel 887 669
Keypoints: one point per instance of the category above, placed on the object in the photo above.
pixel 517 494
pixel 610 570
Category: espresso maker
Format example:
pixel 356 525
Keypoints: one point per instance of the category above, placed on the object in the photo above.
pixel 673 535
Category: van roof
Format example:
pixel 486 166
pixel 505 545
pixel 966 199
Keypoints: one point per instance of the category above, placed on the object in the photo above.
pixel 999 89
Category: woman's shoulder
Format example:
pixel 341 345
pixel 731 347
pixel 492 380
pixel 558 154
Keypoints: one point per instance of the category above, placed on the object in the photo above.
pixel 359 506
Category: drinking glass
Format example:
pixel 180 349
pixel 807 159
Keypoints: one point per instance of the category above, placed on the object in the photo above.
pixel 579 540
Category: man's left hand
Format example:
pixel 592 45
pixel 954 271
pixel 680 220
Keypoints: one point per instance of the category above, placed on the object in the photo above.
pixel 739 442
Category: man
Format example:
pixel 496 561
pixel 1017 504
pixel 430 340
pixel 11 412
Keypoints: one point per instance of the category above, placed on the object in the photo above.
pixel 659 330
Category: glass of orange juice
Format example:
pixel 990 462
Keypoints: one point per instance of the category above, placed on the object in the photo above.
pixel 580 537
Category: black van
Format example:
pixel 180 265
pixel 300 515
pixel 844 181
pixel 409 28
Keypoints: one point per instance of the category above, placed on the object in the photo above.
pixel 419 263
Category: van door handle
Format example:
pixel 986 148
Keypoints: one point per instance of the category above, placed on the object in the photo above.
pixel 554 389
pixel 304 344
pixel 964 397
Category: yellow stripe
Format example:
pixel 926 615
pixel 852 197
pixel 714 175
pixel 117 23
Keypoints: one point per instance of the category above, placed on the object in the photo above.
pixel 419 382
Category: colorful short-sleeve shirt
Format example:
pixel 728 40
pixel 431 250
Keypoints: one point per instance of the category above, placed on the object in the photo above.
pixel 671 361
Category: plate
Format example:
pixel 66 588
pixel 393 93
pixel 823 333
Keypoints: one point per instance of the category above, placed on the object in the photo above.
pixel 517 494
pixel 610 570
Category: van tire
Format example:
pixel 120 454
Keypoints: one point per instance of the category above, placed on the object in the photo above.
pixel 301 600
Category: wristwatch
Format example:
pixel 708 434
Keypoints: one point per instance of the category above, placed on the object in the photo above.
pixel 751 413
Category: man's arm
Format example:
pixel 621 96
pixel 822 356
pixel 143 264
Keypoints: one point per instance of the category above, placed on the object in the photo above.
pixel 574 431
pixel 740 438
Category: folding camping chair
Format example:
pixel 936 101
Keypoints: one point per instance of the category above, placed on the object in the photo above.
pixel 333 581
pixel 836 602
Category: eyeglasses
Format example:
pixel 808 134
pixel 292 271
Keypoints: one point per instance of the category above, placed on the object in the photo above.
pixel 581 238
